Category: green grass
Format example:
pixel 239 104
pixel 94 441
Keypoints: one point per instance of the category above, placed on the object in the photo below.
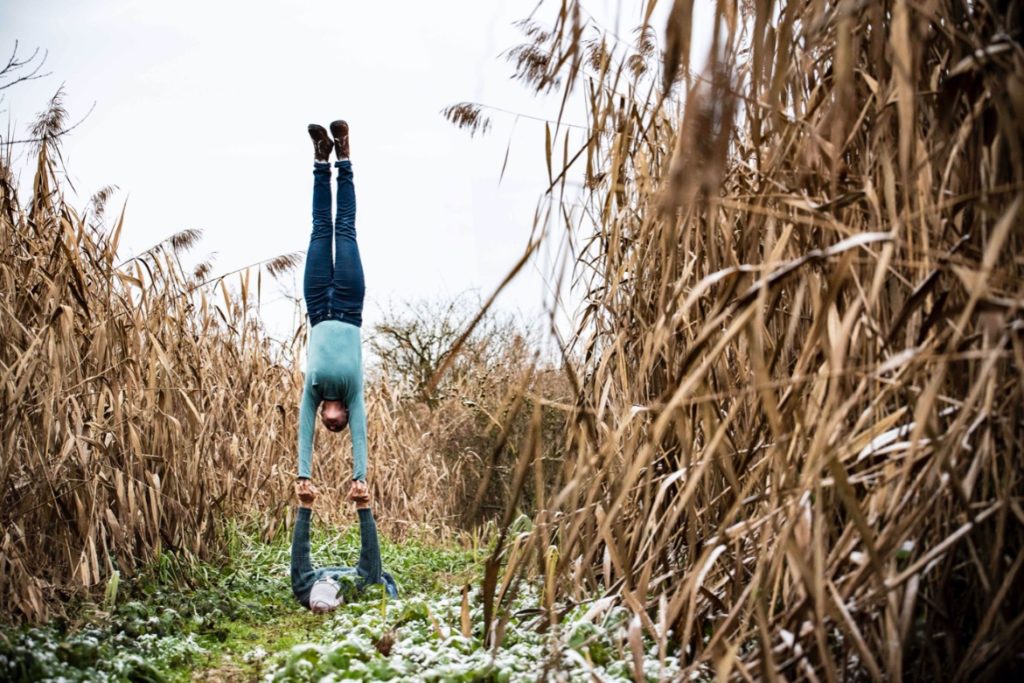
pixel 419 566
pixel 184 620
pixel 180 615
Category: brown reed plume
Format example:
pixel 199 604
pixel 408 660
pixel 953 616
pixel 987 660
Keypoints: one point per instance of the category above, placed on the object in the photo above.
pixel 796 444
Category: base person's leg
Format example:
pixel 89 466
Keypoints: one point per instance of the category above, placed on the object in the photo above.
pixel 369 548
pixel 302 573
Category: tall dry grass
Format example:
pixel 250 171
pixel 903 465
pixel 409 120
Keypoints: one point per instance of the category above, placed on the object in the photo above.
pixel 797 437
pixel 138 408
pixel 144 406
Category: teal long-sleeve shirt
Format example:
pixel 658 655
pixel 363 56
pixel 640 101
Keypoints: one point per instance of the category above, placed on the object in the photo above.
pixel 334 372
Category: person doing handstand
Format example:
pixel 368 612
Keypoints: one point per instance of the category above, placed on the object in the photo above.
pixel 334 291
pixel 320 590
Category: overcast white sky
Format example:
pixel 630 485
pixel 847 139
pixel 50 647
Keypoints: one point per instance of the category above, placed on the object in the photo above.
pixel 200 120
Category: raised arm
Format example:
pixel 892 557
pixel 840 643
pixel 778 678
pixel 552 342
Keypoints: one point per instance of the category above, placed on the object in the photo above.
pixel 307 423
pixel 357 423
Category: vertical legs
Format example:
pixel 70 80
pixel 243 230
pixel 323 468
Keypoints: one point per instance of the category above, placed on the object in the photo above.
pixel 317 280
pixel 334 288
pixel 348 284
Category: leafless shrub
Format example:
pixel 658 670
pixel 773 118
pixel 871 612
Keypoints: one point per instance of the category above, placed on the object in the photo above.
pixel 459 422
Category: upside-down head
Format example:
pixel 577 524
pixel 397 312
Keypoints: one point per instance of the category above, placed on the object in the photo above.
pixel 334 415
pixel 325 596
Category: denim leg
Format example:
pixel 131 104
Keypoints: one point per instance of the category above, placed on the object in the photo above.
pixel 369 548
pixel 316 284
pixel 349 286
pixel 303 574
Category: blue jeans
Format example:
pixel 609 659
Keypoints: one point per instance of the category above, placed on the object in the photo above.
pixel 369 571
pixel 334 289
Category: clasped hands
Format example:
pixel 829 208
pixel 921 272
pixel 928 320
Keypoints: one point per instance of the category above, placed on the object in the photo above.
pixel 306 491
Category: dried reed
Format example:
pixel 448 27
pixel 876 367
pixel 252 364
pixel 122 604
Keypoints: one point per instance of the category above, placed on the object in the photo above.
pixel 796 445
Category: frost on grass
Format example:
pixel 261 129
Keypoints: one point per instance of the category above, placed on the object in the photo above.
pixel 92 656
pixel 420 639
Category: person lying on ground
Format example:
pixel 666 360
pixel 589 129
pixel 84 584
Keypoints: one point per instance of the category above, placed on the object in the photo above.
pixel 334 290
pixel 322 590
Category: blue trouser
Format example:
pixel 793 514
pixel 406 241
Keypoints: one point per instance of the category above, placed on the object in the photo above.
pixel 334 289
pixel 368 570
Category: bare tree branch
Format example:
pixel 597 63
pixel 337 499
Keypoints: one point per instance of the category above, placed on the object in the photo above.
pixel 14 64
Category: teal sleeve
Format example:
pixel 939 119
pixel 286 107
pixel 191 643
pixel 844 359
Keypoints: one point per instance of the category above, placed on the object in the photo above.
pixel 357 424
pixel 307 423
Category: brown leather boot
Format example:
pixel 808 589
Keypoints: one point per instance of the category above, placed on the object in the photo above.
pixel 339 129
pixel 321 142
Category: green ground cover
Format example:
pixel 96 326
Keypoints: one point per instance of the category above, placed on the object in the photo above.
pixel 184 621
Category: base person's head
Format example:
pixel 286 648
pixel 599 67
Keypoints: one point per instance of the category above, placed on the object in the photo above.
pixel 325 596
pixel 334 415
